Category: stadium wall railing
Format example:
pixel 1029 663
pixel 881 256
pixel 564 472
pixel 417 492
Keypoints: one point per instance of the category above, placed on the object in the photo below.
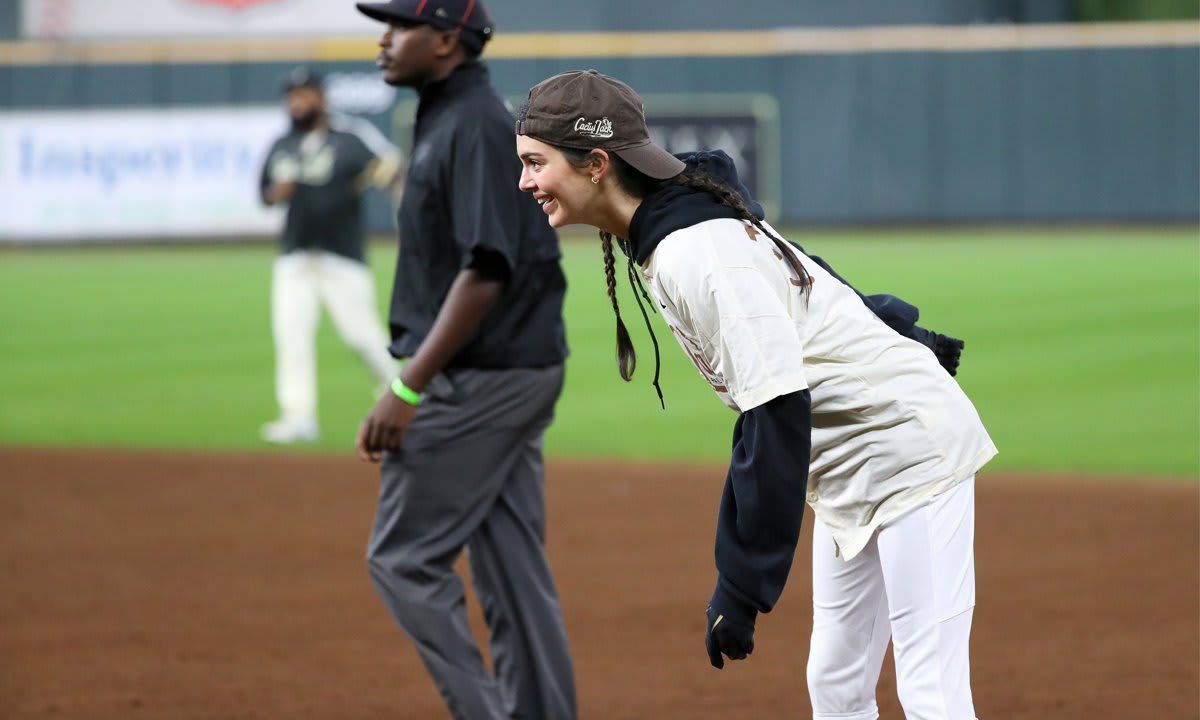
pixel 898 124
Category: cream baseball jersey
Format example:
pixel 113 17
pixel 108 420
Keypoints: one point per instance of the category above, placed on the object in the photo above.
pixel 890 428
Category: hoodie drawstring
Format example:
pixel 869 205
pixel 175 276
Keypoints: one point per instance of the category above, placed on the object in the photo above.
pixel 639 292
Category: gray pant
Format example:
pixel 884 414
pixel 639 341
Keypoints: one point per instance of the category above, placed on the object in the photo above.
pixel 469 473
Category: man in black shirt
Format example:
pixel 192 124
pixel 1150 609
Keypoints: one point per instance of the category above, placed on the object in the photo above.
pixel 477 311
pixel 319 169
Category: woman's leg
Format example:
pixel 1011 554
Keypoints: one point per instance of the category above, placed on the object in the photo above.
pixel 850 631
pixel 927 558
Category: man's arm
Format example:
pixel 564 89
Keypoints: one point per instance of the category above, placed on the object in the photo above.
pixel 279 192
pixel 471 296
pixel 383 172
pixel 485 212
pixel 277 183
pixel 382 162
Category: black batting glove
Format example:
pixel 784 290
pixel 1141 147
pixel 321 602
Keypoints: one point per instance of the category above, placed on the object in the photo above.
pixel 948 351
pixel 725 636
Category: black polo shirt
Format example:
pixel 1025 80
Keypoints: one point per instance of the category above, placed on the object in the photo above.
pixel 461 203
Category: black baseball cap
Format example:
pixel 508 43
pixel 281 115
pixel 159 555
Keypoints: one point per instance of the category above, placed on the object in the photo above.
pixel 470 15
pixel 302 77
pixel 585 110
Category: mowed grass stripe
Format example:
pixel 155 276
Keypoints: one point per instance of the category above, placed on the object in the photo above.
pixel 1083 348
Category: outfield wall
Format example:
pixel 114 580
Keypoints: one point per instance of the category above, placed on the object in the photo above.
pixel 1024 124
pixel 10 21
pixel 224 18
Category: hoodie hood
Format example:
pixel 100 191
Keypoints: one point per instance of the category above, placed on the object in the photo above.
pixel 675 207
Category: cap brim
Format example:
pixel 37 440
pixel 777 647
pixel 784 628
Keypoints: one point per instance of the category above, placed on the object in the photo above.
pixel 383 12
pixel 652 160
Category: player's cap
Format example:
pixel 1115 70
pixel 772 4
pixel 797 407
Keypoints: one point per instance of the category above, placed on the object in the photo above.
pixel 302 77
pixel 470 15
pixel 585 110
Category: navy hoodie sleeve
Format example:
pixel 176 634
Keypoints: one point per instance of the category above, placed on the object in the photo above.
pixel 895 313
pixel 762 505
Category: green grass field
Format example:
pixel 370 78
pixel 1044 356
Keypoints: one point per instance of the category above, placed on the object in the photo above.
pixel 1083 348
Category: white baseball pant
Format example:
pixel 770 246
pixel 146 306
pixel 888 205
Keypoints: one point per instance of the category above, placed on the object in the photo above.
pixel 302 282
pixel 913 584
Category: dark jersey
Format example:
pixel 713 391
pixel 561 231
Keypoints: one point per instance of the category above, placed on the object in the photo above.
pixel 461 205
pixel 326 212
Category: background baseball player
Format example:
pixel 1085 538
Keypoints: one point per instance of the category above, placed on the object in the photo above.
pixel 477 309
pixel 835 408
pixel 320 169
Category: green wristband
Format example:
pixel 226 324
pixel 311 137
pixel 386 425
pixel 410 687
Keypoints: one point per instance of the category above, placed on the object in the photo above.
pixel 405 393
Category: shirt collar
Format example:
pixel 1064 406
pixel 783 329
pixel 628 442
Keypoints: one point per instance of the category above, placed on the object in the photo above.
pixel 671 208
pixel 466 74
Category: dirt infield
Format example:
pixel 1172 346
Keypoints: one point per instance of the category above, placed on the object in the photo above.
pixel 211 586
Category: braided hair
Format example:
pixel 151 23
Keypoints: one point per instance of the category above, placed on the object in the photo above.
pixel 626 357
pixel 640 185
pixel 704 182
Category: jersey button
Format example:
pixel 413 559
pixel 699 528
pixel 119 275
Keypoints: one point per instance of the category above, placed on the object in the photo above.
pixel 812 497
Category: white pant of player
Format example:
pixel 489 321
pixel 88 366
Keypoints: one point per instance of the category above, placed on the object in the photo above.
pixel 914 584
pixel 302 282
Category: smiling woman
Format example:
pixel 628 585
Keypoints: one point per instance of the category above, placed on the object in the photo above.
pixel 836 409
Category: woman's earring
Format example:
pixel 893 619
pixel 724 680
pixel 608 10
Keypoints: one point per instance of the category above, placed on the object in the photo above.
pixel 595 179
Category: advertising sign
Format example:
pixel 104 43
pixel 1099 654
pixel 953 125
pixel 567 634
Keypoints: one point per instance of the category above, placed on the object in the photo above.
pixel 163 19
pixel 127 174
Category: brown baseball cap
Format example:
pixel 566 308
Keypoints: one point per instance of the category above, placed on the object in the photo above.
pixel 585 110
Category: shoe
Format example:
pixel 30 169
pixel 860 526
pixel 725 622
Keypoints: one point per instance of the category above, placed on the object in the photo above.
pixel 288 432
